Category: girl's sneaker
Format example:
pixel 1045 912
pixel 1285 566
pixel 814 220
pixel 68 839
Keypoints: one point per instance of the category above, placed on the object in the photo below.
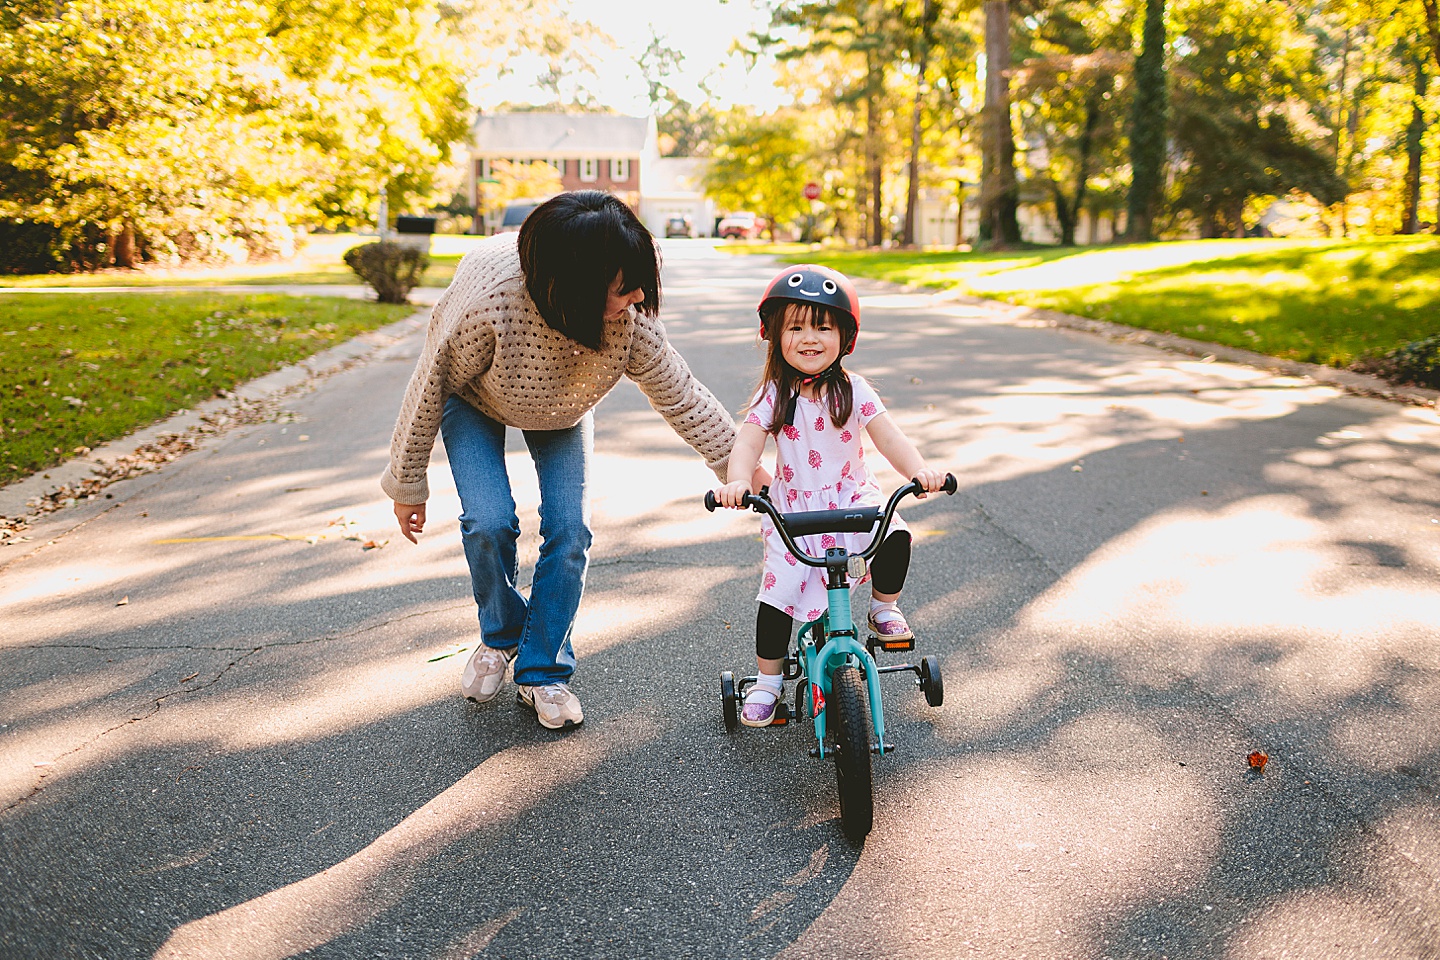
pixel 888 623
pixel 756 712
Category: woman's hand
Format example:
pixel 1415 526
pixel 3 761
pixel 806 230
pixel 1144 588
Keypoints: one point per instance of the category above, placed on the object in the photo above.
pixel 732 494
pixel 412 519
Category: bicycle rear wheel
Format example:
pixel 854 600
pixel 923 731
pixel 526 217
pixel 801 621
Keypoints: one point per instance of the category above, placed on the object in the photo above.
pixel 849 719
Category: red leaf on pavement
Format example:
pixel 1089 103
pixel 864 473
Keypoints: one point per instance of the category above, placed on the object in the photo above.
pixel 1257 761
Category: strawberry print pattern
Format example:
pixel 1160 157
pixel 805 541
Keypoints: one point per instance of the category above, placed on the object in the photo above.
pixel 816 467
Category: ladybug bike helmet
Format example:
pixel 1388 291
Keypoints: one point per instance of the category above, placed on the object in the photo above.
pixel 814 284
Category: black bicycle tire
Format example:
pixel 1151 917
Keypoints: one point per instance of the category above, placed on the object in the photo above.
pixel 849 717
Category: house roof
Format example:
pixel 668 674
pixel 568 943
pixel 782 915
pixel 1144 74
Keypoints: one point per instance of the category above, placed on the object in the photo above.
pixel 560 135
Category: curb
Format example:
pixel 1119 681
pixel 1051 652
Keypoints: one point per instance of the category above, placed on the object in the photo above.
pixel 1359 384
pixel 23 503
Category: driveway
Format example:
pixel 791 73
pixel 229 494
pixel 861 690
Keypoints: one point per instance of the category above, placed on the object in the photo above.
pixel 231 724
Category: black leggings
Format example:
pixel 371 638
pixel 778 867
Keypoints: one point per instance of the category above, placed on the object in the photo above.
pixel 887 573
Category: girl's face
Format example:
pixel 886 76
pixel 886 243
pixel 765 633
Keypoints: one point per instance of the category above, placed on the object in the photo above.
pixel 618 304
pixel 809 340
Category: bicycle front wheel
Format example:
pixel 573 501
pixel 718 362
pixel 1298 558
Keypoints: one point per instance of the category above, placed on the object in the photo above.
pixel 849 718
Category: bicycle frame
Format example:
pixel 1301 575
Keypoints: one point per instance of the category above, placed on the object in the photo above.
pixel 830 642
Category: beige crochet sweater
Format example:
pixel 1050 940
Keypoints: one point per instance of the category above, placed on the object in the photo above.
pixel 488 344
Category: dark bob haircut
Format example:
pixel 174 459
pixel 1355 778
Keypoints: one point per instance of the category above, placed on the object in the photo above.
pixel 571 250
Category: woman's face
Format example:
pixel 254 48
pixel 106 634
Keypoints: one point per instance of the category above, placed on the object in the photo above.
pixel 618 304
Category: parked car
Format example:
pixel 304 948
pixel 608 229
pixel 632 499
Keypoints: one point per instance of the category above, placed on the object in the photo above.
pixel 679 226
pixel 740 226
pixel 515 214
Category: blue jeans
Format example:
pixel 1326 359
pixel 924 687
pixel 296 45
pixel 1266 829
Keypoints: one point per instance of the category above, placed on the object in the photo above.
pixel 489 529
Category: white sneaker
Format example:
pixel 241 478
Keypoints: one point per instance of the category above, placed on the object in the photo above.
pixel 555 706
pixel 484 675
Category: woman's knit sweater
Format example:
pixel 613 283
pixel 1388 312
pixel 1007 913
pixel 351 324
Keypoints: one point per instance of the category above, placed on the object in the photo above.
pixel 488 344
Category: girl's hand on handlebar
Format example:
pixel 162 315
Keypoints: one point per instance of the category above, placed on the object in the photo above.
pixel 931 479
pixel 412 519
pixel 733 493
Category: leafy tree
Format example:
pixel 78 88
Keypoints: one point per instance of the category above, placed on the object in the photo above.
pixel 1070 90
pixel 1148 125
pixel 760 164
pixel 170 128
pixel 864 32
pixel 1244 118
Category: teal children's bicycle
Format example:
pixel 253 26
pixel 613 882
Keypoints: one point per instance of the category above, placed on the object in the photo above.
pixel 837 680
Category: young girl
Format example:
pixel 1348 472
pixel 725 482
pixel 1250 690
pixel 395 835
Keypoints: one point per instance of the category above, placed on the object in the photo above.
pixel 816 411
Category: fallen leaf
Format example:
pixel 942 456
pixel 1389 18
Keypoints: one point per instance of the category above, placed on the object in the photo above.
pixel 451 653
pixel 123 600
pixel 373 544
pixel 1257 760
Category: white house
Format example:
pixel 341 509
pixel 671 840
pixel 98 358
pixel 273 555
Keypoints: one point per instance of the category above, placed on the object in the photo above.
pixel 671 187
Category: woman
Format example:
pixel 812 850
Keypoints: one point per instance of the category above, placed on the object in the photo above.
pixel 533 332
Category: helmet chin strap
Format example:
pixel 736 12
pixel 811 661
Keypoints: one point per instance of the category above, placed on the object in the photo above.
pixel 829 374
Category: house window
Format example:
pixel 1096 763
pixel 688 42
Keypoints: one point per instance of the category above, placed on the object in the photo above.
pixel 558 164
pixel 589 170
pixel 620 170
pixel 482 169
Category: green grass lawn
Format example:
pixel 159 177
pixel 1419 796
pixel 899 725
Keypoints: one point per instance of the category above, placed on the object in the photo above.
pixel 78 369
pixel 1319 301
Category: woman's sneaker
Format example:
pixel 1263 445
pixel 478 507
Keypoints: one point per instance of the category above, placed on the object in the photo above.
pixel 484 675
pixel 888 623
pixel 555 706
pixel 756 712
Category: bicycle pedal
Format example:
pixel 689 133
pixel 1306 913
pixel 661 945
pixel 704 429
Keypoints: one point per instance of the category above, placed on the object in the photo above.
pixel 782 715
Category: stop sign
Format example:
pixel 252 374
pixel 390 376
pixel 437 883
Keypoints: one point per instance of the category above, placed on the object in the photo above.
pixel 812 190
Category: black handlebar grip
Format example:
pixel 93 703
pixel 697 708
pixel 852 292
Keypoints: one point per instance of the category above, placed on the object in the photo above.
pixel 710 503
pixel 951 484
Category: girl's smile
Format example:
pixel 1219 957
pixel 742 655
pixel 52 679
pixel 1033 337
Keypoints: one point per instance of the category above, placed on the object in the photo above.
pixel 809 344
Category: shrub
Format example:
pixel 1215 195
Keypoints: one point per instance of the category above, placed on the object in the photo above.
pixel 392 269
pixel 1416 363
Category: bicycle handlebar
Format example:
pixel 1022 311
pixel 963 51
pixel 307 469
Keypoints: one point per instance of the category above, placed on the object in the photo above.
pixel 854 520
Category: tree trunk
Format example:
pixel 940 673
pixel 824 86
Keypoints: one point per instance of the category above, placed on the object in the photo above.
pixel 1148 125
pixel 998 189
pixel 872 162
pixel 122 246
pixel 1415 148
pixel 1068 212
pixel 912 193
pixel 1432 28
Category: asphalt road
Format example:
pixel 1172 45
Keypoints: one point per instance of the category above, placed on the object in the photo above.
pixel 218 742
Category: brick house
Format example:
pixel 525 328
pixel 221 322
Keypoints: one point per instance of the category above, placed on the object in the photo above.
pixel 591 151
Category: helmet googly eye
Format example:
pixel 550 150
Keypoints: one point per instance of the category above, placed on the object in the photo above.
pixel 829 286
pixel 796 279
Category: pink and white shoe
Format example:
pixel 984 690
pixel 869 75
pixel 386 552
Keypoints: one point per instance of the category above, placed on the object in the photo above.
pixel 756 712
pixel 888 623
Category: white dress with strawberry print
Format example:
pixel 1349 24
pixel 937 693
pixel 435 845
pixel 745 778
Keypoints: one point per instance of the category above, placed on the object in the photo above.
pixel 818 466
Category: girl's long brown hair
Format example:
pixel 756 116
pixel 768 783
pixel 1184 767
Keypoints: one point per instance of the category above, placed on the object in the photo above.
pixel 839 397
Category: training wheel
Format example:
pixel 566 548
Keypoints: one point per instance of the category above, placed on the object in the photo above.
pixel 728 700
pixel 931 683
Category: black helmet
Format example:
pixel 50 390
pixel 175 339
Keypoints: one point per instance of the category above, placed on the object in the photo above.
pixel 814 284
